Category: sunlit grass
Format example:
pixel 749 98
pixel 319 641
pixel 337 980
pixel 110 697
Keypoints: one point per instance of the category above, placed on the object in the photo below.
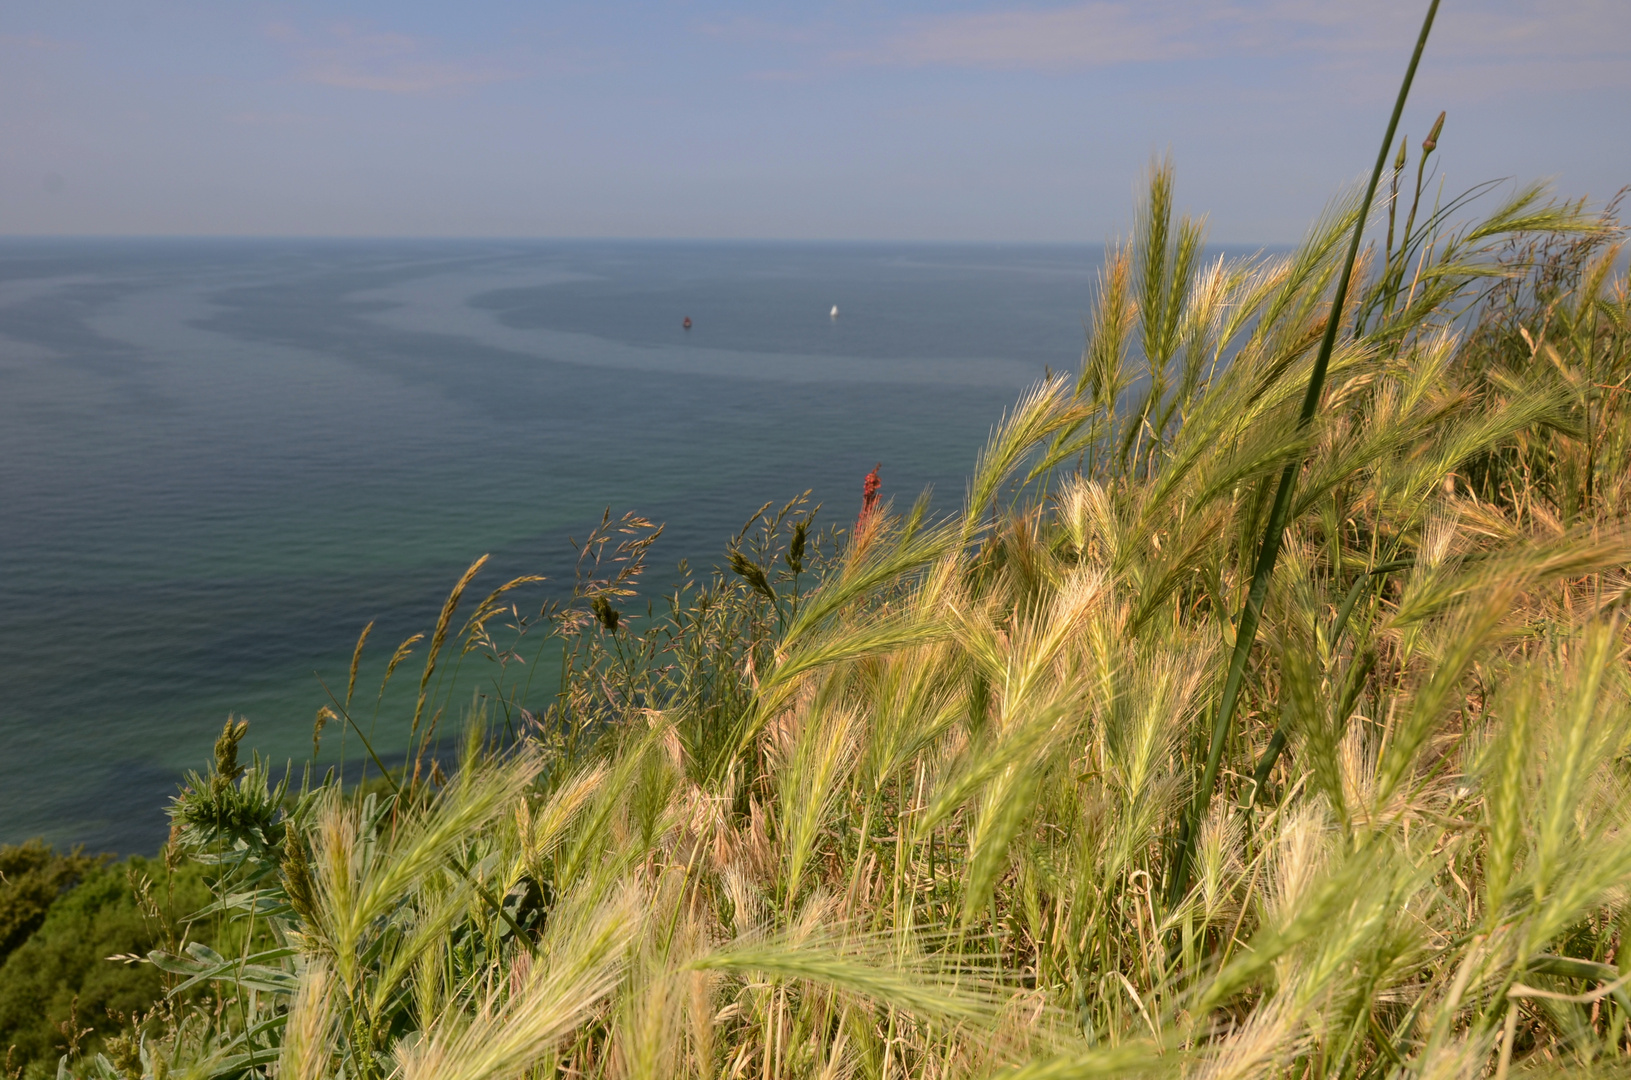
pixel 902 799
pixel 962 795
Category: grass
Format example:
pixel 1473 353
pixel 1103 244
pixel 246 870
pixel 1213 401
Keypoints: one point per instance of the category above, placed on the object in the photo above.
pixel 1274 531
pixel 927 796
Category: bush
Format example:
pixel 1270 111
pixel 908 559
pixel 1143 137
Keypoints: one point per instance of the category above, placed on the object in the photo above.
pixel 32 878
pixel 60 980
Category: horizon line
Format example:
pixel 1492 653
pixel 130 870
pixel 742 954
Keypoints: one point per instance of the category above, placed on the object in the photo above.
pixel 602 239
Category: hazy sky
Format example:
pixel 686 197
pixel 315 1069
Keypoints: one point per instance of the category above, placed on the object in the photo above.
pixel 902 120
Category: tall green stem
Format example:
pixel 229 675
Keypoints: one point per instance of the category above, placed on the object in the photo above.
pixel 1263 570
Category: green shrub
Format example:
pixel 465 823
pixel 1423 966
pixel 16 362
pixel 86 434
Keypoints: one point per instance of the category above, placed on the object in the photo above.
pixel 32 878
pixel 60 977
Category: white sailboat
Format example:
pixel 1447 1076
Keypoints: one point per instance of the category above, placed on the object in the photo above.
pixel 835 311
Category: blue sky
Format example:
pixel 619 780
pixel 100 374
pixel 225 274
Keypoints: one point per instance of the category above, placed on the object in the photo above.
pixel 846 120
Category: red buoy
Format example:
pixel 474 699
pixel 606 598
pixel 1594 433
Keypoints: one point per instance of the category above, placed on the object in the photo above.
pixel 687 322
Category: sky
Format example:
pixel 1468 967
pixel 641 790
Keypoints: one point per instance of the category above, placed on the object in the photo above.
pixel 890 121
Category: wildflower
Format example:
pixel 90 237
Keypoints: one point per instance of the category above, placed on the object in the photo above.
pixel 1429 144
pixel 869 494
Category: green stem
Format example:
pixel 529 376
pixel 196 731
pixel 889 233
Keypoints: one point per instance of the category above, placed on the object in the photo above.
pixel 1278 742
pixel 367 745
pixel 1251 614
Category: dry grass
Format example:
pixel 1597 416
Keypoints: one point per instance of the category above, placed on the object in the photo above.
pixel 903 803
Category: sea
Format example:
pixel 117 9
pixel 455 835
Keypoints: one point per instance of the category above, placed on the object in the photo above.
pixel 221 459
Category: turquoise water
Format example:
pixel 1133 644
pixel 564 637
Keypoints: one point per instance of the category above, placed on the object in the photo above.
pixel 220 459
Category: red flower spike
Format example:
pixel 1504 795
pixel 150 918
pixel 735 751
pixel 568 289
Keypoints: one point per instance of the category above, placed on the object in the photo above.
pixel 869 494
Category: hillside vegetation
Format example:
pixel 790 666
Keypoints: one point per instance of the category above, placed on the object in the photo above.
pixel 952 795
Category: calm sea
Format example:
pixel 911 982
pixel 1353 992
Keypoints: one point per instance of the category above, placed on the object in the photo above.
pixel 220 459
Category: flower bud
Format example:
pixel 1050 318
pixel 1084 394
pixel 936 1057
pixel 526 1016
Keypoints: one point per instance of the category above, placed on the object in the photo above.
pixel 1429 144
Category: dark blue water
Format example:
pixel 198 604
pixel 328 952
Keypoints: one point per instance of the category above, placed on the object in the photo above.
pixel 220 459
